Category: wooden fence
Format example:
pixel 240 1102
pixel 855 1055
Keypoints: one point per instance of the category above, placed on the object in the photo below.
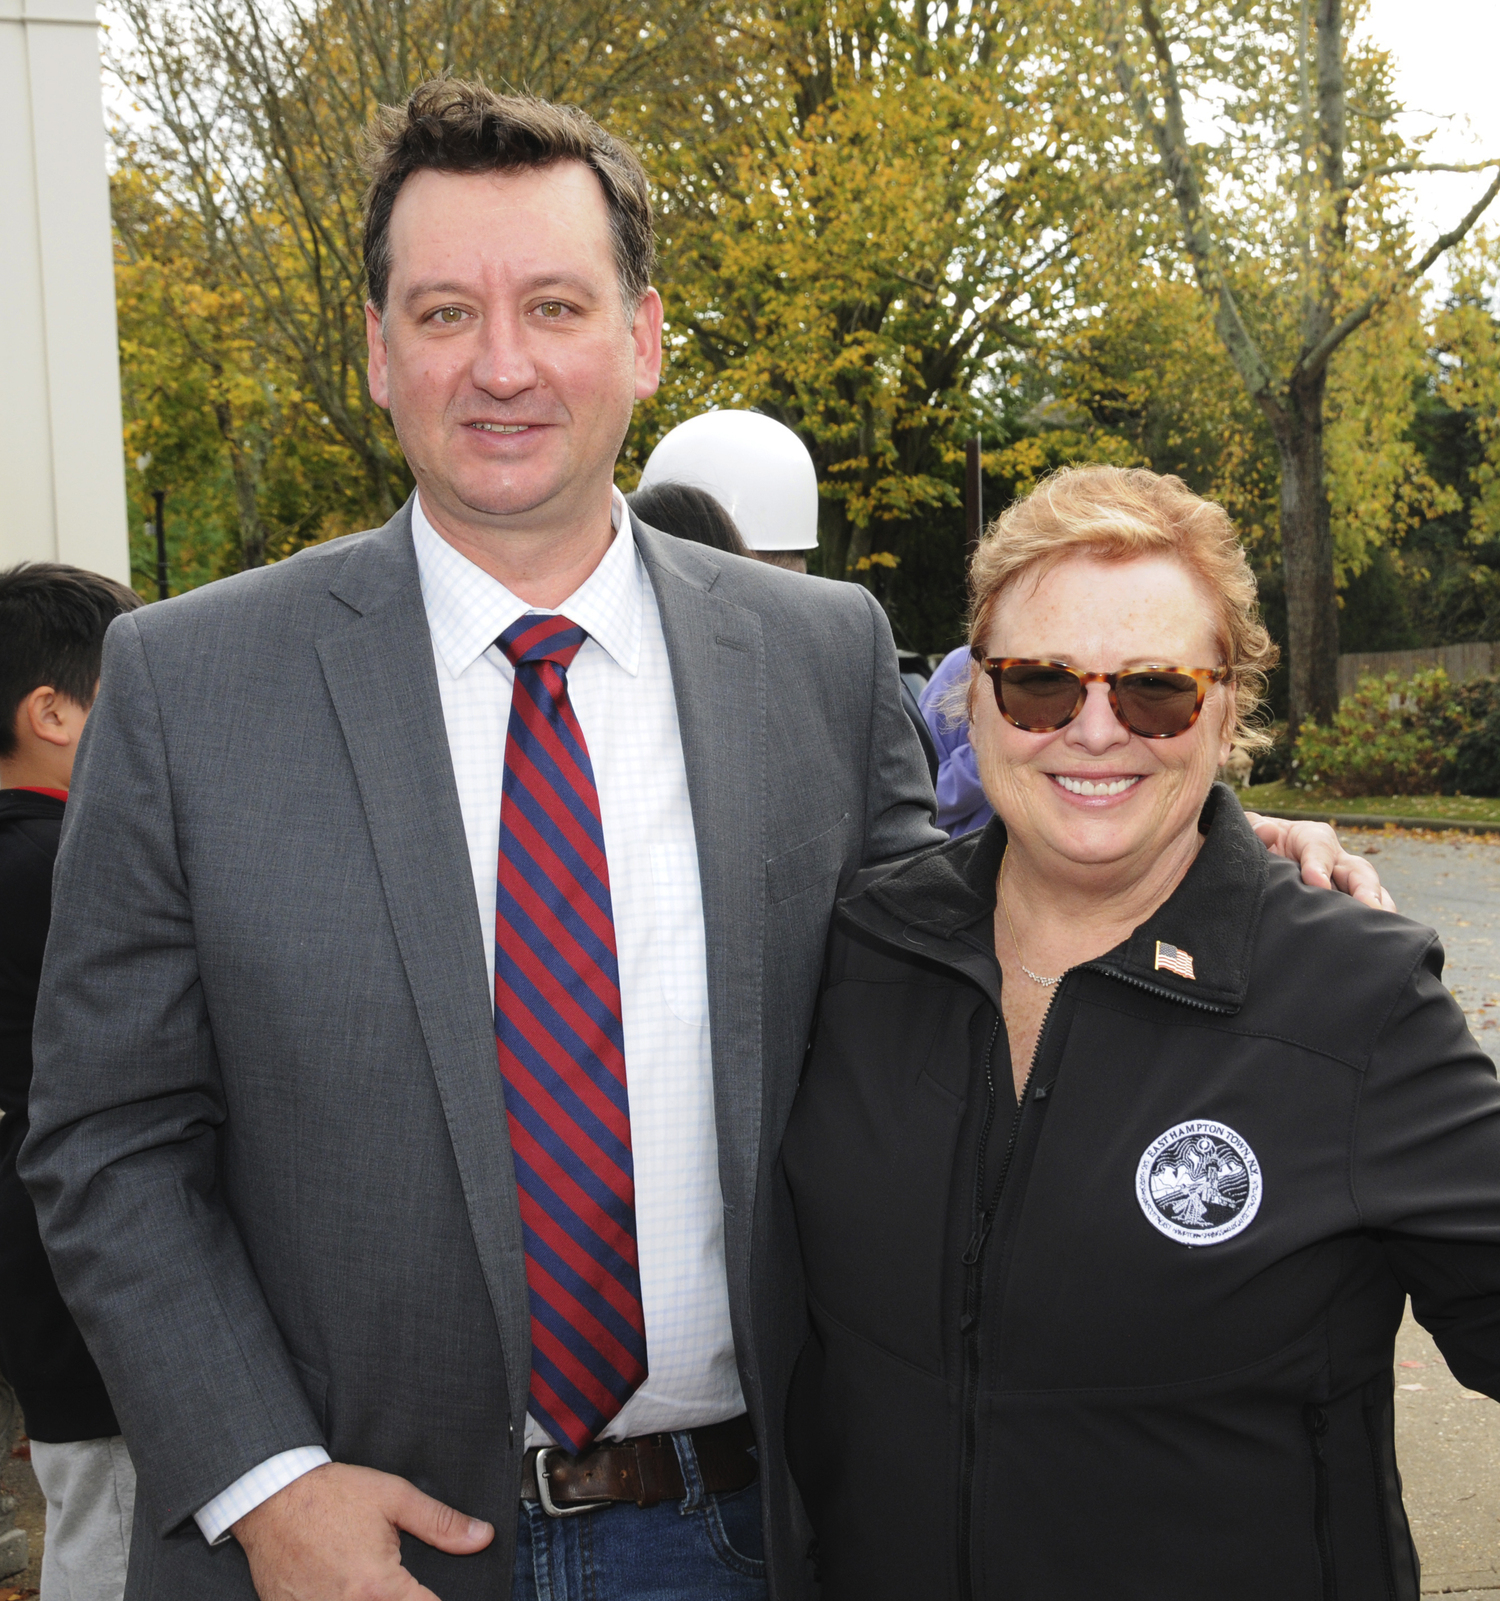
pixel 1460 662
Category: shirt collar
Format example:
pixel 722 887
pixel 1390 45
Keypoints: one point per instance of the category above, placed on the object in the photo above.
pixel 468 610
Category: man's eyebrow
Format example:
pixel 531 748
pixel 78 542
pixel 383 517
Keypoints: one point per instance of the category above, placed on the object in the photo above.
pixel 542 281
pixel 442 286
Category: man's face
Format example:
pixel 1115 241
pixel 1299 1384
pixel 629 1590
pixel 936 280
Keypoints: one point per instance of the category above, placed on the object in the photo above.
pixel 504 354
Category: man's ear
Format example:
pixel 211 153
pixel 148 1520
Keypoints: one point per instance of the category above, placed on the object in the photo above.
pixel 645 335
pixel 379 363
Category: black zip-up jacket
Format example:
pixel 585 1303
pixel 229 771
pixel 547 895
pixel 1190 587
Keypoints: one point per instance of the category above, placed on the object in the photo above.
pixel 1133 1336
pixel 42 1354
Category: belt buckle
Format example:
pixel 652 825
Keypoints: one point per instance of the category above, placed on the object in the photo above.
pixel 544 1490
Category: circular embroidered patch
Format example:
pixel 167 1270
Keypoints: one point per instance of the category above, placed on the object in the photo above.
pixel 1199 1183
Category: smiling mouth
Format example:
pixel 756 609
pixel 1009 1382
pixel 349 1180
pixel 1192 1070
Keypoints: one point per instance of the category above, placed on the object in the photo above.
pixel 501 427
pixel 1086 786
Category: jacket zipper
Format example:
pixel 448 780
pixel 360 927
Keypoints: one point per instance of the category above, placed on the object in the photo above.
pixel 1156 989
pixel 973 1261
pixel 984 1218
pixel 1315 1420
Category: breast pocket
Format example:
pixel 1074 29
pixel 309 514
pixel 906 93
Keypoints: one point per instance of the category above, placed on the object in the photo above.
pixel 682 949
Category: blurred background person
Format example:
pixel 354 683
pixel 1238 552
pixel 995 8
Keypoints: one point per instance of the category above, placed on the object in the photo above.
pixel 757 469
pixel 758 474
pixel 52 623
pixel 962 806
pixel 687 512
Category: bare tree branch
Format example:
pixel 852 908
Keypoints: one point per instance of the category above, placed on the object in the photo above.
pixel 1314 360
pixel 1170 138
pixel 1400 167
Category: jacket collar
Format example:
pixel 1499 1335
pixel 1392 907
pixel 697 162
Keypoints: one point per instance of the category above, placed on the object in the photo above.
pixel 19 804
pixel 941 903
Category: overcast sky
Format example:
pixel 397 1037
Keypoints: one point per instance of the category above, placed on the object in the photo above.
pixel 1448 69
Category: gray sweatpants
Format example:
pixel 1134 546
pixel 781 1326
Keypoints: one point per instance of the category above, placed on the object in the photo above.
pixel 90 1490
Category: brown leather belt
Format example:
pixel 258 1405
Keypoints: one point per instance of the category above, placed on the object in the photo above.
pixel 644 1469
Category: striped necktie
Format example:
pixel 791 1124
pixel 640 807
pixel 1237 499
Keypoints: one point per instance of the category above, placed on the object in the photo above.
pixel 561 1046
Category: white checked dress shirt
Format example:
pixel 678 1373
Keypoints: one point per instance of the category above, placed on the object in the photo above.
pixel 620 685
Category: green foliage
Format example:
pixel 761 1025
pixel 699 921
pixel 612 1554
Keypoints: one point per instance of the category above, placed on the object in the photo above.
pixel 1392 736
pixel 1437 581
pixel 891 226
pixel 1379 486
pixel 872 226
pixel 1475 768
pixel 251 466
pixel 1271 765
pixel 1468 332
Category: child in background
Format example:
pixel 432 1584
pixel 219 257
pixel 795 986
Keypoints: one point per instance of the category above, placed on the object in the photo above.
pixel 52 623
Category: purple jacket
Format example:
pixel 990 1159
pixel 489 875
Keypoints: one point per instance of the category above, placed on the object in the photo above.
pixel 961 804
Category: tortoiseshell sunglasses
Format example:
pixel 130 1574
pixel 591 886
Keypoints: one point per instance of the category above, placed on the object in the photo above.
pixel 1154 702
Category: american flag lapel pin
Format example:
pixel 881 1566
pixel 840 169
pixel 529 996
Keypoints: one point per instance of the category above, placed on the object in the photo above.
pixel 1174 960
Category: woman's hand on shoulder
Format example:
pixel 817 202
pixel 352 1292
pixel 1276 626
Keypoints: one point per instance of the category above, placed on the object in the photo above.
pixel 1325 864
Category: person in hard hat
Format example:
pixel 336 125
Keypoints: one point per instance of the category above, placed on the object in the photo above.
pixel 687 512
pixel 757 469
pixel 759 472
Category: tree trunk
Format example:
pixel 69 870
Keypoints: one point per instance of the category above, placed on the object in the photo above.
pixel 833 538
pixel 252 528
pixel 244 469
pixel 1312 618
pixel 855 552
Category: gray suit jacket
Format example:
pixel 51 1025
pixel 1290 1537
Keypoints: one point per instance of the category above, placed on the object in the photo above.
pixel 268 1142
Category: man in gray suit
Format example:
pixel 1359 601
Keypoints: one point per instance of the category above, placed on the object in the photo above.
pixel 270 1141
pixel 436 934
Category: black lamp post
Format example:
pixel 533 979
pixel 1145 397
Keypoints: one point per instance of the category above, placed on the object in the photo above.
pixel 160 497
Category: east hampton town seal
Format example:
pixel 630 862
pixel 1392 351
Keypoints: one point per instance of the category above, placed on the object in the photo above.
pixel 1199 1183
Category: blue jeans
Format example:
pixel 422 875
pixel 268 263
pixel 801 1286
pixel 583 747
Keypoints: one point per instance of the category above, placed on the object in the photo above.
pixel 704 1548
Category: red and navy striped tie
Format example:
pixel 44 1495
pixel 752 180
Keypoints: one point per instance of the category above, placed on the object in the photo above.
pixel 561 1044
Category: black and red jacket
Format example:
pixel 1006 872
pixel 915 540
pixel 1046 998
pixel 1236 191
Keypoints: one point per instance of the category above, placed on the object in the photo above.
pixel 1132 1336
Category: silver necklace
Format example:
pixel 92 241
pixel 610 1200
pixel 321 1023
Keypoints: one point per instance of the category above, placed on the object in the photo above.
pixel 1036 978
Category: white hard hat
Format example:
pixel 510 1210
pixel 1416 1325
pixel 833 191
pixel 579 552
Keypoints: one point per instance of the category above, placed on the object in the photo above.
pixel 756 468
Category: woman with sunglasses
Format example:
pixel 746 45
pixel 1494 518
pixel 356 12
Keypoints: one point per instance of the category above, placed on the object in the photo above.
pixel 1117 1149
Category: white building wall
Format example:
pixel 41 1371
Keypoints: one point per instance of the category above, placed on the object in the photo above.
pixel 62 473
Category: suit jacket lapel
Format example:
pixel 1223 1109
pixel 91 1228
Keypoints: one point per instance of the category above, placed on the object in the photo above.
pixel 717 652
pixel 379 668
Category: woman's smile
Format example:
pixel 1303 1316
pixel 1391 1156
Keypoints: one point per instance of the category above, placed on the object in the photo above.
pixel 1092 792
pixel 1096 786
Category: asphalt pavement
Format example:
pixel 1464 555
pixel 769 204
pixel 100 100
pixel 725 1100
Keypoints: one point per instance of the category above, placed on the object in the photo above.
pixel 1448 1437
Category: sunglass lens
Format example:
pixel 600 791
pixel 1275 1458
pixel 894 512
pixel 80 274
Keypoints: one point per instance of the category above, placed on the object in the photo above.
pixel 1038 698
pixel 1157 704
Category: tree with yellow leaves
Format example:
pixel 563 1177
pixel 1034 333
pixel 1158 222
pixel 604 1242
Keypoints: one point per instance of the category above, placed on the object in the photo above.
pixel 874 219
pixel 251 124
pixel 1286 217
pixel 253 468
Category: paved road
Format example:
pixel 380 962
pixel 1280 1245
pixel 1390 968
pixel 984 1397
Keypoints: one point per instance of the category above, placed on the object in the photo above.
pixel 1447 1437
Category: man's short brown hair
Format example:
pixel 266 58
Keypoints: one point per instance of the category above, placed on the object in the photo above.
pixel 454 126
